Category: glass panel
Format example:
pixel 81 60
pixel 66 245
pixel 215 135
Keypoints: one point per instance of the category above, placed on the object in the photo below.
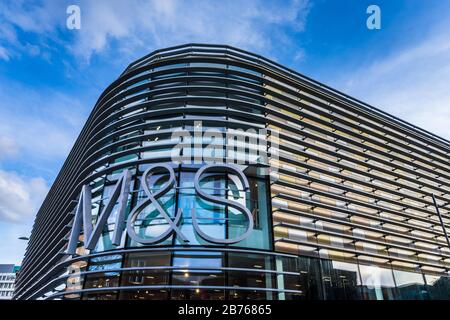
pixel 250 261
pixel 147 259
pixel 146 276
pixel 112 295
pixel 378 283
pixel 340 280
pixel 144 295
pixel 207 260
pixel 251 279
pixel 198 294
pixel 410 285
pixel 438 287
pixel 307 282
pixel 257 202
pixel 250 295
pixel 198 278
pixel 103 279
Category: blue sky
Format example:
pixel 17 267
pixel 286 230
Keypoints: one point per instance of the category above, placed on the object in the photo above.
pixel 50 76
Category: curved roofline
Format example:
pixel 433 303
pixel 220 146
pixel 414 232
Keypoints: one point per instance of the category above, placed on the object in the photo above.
pixel 292 73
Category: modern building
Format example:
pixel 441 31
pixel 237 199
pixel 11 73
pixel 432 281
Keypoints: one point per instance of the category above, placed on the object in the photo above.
pixel 7 280
pixel 208 172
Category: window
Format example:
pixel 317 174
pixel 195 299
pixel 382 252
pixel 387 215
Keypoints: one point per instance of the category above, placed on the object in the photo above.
pixel 410 285
pixel 105 278
pixel 306 281
pixel 146 277
pixel 438 287
pixel 340 280
pixel 378 283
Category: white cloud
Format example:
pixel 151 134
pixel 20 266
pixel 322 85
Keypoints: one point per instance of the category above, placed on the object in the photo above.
pixel 8 147
pixel 4 54
pixel 412 83
pixel 145 24
pixel 38 124
pixel 20 197
pixel 299 55
pixel 11 248
pixel 31 16
pixel 41 18
pixel 136 27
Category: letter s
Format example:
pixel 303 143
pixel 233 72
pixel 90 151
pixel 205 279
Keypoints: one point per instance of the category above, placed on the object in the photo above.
pixel 218 200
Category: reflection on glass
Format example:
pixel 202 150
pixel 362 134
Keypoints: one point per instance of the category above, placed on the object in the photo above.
pixel 111 295
pixel 378 283
pixel 198 259
pixel 340 280
pixel 107 278
pixel 306 279
pixel 257 202
pixel 74 281
pixel 210 217
pixel 438 287
pixel 410 285
pixel 250 295
pixel 198 278
pixel 251 279
pixel 105 241
pixel 145 294
pixel 145 276
pixel 198 294
pixel 250 261
pixel 150 223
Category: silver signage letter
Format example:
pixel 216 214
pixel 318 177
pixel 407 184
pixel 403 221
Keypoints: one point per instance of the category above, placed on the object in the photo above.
pixel 225 168
pixel 153 199
pixel 83 215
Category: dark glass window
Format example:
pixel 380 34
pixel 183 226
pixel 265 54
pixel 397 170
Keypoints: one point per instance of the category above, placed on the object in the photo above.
pixel 197 294
pixel 254 279
pixel 170 66
pixel 150 269
pixel 250 295
pixel 438 287
pixel 144 294
pixel 251 279
pixel 306 280
pixel 110 295
pixel 198 278
pixel 250 261
pixel 103 278
pixel 340 280
pixel 410 285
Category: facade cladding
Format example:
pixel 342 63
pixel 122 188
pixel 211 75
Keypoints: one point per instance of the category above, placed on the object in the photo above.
pixel 343 202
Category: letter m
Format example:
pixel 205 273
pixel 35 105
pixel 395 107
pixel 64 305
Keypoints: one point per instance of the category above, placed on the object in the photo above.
pixel 83 215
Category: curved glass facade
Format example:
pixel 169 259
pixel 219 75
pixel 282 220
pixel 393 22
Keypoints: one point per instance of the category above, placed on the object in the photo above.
pixel 325 197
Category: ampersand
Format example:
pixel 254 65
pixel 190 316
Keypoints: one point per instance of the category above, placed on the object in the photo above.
pixel 152 198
